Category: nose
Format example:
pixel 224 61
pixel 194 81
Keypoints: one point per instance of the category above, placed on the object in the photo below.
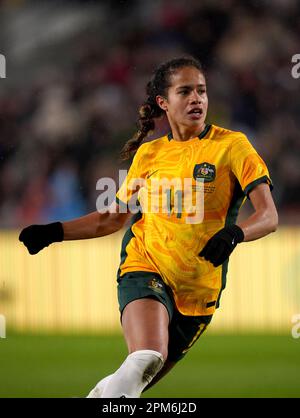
pixel 195 97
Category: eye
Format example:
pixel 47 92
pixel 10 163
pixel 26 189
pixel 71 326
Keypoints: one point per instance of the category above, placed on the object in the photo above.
pixel 183 92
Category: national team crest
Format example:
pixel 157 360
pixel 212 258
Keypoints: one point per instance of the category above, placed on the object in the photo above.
pixel 204 171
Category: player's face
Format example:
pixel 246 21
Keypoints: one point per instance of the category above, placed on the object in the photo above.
pixel 186 103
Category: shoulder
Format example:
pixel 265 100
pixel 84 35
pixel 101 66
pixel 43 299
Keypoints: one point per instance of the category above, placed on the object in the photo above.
pixel 220 133
pixel 147 151
pixel 153 145
pixel 231 140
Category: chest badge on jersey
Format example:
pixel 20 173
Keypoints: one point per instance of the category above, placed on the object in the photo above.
pixel 204 171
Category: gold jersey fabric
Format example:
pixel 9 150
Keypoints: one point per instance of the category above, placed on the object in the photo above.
pixel 166 237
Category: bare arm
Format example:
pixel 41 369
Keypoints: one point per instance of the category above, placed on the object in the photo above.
pixel 95 224
pixel 264 220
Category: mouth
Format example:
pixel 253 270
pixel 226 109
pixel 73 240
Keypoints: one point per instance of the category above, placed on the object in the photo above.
pixel 195 113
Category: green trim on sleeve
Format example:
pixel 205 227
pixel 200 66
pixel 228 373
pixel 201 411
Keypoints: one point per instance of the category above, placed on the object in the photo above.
pixel 250 186
pixel 231 217
pixel 121 203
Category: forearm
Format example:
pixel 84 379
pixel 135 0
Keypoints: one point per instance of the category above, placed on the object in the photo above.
pixel 263 221
pixel 92 225
pixel 259 224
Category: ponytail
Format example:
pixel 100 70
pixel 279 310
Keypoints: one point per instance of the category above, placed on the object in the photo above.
pixel 146 124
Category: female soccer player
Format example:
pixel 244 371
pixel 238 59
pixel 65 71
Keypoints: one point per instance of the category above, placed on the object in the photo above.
pixel 174 256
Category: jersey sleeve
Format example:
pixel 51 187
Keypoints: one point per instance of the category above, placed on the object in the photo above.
pixel 133 180
pixel 247 165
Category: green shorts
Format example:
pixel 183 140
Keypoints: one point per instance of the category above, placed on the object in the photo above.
pixel 184 330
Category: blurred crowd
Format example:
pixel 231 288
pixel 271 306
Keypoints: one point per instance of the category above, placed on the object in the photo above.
pixel 63 129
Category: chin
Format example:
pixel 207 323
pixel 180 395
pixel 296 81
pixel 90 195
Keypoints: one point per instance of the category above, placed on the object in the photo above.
pixel 196 123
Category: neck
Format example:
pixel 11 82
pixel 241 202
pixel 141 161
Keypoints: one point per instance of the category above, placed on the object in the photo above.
pixel 182 133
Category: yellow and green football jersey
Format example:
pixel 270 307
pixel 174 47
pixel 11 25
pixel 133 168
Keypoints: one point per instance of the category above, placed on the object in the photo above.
pixel 187 191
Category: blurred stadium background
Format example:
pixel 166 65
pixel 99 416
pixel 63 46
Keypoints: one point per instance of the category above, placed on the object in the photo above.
pixel 76 74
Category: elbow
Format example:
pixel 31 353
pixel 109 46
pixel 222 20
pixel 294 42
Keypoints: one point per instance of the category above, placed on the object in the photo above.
pixel 117 226
pixel 117 222
pixel 273 225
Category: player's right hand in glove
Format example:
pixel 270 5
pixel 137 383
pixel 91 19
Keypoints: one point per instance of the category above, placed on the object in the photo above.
pixel 36 237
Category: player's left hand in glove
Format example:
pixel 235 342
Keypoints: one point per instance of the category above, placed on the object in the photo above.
pixel 219 247
pixel 36 237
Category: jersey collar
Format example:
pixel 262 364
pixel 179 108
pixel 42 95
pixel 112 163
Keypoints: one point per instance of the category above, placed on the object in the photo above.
pixel 200 136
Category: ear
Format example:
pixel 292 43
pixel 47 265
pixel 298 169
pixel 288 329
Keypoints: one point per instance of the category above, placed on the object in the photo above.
pixel 162 103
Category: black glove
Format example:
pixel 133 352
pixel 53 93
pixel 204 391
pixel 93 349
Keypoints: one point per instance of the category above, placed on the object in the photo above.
pixel 36 237
pixel 219 247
